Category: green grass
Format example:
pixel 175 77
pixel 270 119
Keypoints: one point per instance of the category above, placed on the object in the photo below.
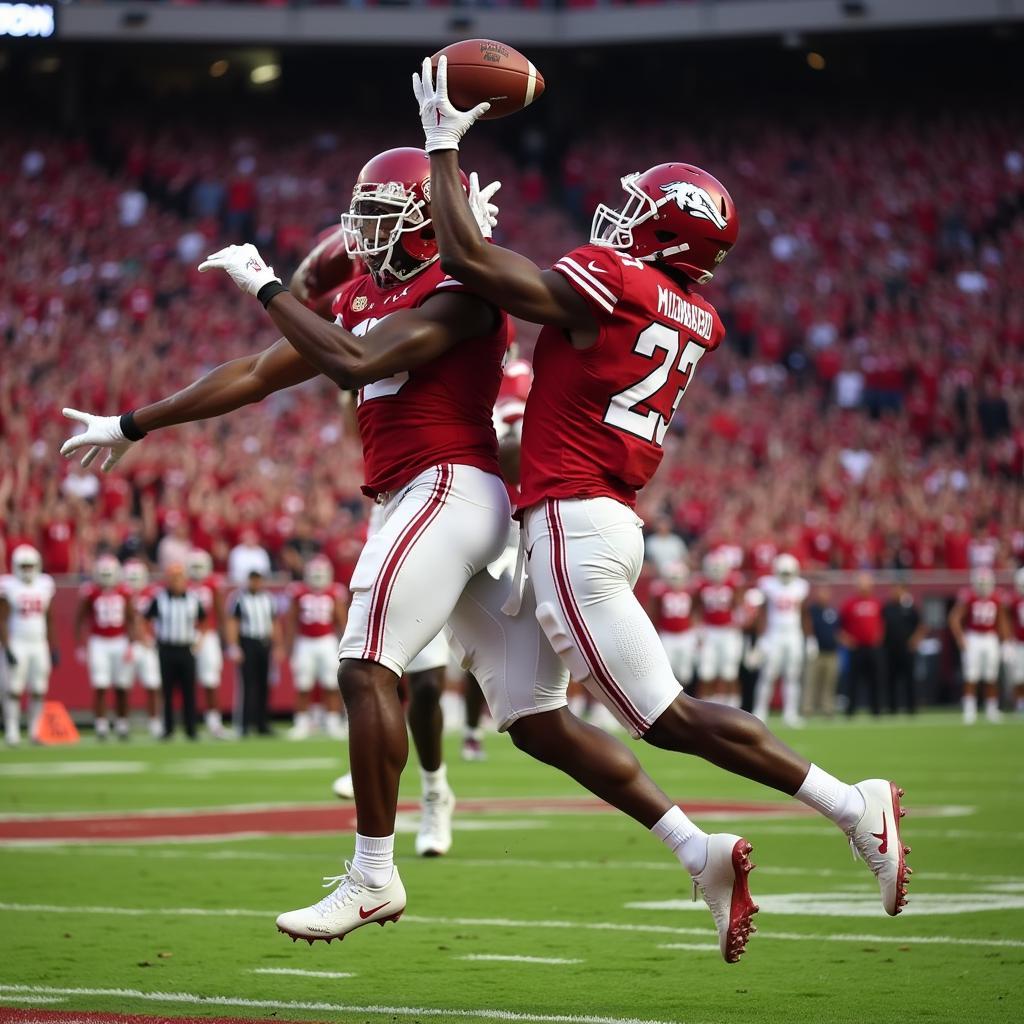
pixel 582 869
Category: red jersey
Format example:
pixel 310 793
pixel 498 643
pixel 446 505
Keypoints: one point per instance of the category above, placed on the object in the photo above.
pixel 717 600
pixel 761 556
pixel 596 418
pixel 207 592
pixel 861 617
pixel 108 609
pixel 1017 616
pixel 316 608
pixel 141 598
pixel 673 609
pixel 981 614
pixel 438 413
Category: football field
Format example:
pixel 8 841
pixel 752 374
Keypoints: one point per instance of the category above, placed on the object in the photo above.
pixel 145 878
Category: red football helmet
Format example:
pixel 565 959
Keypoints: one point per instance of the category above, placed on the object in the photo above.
pixel 675 214
pixel 391 208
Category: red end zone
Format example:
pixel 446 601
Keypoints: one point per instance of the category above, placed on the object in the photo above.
pixel 309 819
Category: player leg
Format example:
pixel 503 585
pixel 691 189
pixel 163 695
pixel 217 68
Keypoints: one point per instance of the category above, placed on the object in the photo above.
pixel 990 675
pixel 17 678
pixel 303 665
pixel 765 688
pixel 1017 674
pixel 121 680
pixel 101 672
pixel 972 666
pixel 708 658
pixel 39 671
pixel 147 669
pixel 729 686
pixel 584 580
pixel 440 531
pixel 792 651
pixel 473 740
pixel 209 669
pixel 325 661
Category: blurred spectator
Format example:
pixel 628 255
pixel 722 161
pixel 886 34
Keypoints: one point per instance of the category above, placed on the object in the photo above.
pixel 819 697
pixel 862 632
pixel 175 546
pixel 246 558
pixel 664 547
pixel 299 548
pixel 903 632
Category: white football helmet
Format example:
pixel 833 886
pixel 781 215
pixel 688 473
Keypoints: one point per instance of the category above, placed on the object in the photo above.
pixel 716 567
pixel 983 581
pixel 786 567
pixel 136 575
pixel 319 573
pixel 26 562
pixel 198 565
pixel 107 571
pixel 1018 580
pixel 677 573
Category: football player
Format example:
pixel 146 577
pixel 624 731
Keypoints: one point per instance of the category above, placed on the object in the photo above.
pixel 26 638
pixel 624 329
pixel 1015 651
pixel 315 620
pixel 721 647
pixel 978 622
pixel 672 605
pixel 786 636
pixel 106 611
pixel 145 660
pixel 208 586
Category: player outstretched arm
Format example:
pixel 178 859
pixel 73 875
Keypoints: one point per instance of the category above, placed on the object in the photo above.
pixel 510 281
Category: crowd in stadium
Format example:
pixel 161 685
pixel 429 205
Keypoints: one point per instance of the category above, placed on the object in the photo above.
pixel 865 411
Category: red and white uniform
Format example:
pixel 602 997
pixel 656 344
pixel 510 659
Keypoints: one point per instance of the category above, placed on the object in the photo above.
pixel 145 660
pixel 721 648
pixel 595 422
pixel 432 465
pixel 1016 613
pixel 315 654
pixel 782 644
pixel 108 652
pixel 981 636
pixel 673 620
pixel 209 656
pixel 26 631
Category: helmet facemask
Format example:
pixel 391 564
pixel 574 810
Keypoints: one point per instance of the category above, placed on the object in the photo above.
pixel 614 228
pixel 384 228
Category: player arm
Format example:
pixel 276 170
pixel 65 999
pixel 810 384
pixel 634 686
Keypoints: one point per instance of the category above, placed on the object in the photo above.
pixel 5 615
pixel 51 632
pixel 218 606
pixel 956 623
pixel 509 281
pixel 405 340
pixel 341 614
pixel 234 652
pixel 291 625
pixel 81 615
pixel 1003 625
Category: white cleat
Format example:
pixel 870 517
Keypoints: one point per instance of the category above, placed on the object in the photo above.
pixel 882 850
pixel 342 787
pixel 336 726
pixel 473 749
pixel 12 737
pixel 434 838
pixel 993 715
pixel 299 731
pixel 351 905
pixel 723 884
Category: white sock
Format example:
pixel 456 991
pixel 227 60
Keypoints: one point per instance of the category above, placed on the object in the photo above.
pixel 102 727
pixel 474 734
pixel 12 714
pixel 122 725
pixel 991 705
pixel 969 704
pixel 213 719
pixel 791 699
pixel 35 712
pixel 375 858
pixel 301 720
pixel 684 839
pixel 838 801
pixel 434 782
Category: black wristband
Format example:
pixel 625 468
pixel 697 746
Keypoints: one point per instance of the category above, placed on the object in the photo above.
pixel 130 428
pixel 268 291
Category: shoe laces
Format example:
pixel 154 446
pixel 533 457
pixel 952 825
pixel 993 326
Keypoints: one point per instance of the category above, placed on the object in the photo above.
pixel 346 888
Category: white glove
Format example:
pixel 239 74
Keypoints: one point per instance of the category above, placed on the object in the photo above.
pixel 485 213
pixel 811 648
pixel 100 432
pixel 245 265
pixel 443 125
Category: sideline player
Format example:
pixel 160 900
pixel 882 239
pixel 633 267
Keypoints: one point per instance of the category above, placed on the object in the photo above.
pixel 786 636
pixel 105 607
pixel 673 616
pixel 721 646
pixel 208 586
pixel 978 621
pixel 145 661
pixel 315 620
pixel 1015 647
pixel 27 638
pixel 623 333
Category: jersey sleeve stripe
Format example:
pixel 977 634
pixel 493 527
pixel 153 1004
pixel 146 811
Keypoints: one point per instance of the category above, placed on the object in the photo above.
pixel 588 276
pixel 570 273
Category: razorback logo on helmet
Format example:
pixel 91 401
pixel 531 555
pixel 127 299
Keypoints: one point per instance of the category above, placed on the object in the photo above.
pixel 695 201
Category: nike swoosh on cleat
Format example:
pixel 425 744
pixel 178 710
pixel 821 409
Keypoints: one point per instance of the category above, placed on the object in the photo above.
pixel 364 913
pixel 883 836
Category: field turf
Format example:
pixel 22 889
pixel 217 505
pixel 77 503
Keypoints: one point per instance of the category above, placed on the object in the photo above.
pixel 186 928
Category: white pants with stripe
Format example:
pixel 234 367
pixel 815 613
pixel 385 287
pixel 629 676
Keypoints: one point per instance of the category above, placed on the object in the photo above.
pixel 209 660
pixel 681 649
pixel 315 660
pixel 146 665
pixel 110 662
pixel 980 657
pixel 783 656
pixel 32 670
pixel 585 556
pixel 721 650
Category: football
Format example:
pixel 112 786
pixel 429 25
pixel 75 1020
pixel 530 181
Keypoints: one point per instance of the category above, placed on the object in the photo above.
pixel 483 69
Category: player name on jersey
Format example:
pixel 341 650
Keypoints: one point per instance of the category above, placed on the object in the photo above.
pixel 696 320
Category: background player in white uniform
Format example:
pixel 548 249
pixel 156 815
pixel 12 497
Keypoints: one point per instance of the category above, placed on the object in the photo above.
pixel 145 665
pixel 315 620
pixel 26 630
pixel 673 614
pixel 785 637
pixel 721 641
pixel 208 586
pixel 978 622
pixel 106 609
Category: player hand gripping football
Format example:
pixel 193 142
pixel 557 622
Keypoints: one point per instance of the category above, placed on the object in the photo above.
pixel 443 125
pixel 245 266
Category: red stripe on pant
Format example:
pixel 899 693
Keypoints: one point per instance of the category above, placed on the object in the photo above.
pixel 385 581
pixel 577 624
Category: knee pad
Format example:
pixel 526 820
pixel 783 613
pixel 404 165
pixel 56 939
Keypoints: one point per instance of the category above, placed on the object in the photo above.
pixel 561 641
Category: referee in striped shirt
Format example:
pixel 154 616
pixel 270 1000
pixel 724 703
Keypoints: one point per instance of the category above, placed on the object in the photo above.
pixel 175 612
pixel 253 633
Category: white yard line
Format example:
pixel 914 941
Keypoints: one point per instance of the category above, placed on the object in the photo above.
pixel 519 959
pixel 189 998
pixel 505 922
pixel 299 973
pixel 32 999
